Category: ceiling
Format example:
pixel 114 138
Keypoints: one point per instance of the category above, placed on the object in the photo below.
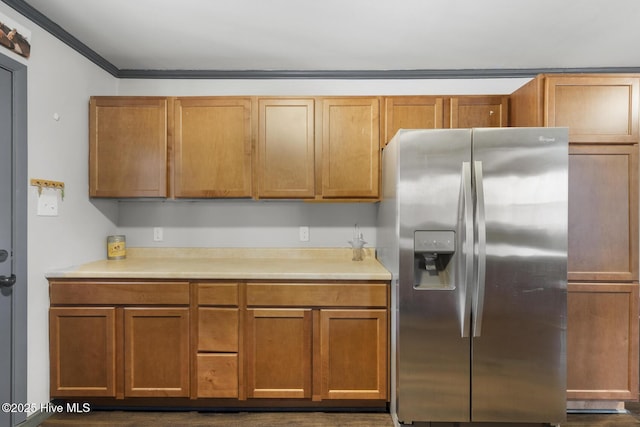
pixel 479 36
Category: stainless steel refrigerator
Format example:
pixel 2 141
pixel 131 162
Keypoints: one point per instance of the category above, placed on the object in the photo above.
pixel 473 227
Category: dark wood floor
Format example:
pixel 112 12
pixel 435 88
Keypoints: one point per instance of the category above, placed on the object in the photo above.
pixel 281 419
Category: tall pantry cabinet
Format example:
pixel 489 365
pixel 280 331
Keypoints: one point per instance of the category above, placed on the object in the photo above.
pixel 601 112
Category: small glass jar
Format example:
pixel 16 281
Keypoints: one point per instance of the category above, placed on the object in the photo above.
pixel 116 247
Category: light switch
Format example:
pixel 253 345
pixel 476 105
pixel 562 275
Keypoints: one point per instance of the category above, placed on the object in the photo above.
pixel 48 204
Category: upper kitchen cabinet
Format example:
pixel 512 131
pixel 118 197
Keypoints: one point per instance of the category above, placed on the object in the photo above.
pixel 595 108
pixel 128 147
pixel 476 111
pixel 212 147
pixel 350 148
pixel 432 112
pixel 411 112
pixel 286 148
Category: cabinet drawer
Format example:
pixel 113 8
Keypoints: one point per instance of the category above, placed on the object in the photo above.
pixel 218 329
pixel 217 294
pixel 118 293
pixel 317 295
pixel 217 375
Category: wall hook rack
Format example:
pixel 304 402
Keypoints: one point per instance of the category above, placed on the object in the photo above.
pixel 45 183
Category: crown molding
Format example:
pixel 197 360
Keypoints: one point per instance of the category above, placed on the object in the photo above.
pixel 364 74
pixel 57 31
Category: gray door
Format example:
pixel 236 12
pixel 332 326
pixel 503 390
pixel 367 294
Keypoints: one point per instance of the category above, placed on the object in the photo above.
pixel 12 243
pixel 518 370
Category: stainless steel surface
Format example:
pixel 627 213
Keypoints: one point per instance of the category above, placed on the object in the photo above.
pixel 428 320
pixel 515 371
pixel 519 362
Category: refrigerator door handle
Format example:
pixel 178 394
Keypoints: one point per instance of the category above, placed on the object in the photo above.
pixel 467 251
pixel 480 250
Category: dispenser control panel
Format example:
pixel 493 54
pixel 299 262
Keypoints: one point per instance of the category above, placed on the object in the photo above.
pixel 435 241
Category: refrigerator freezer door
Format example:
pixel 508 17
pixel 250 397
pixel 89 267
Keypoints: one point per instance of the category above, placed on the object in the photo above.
pixel 433 364
pixel 519 360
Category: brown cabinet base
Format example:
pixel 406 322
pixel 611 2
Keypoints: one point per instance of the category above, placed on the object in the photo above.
pixel 219 344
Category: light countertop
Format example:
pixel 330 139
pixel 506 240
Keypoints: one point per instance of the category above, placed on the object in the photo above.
pixel 232 263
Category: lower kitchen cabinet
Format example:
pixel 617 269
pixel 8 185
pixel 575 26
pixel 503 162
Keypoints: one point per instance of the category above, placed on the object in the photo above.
pixel 109 339
pixel 279 353
pixel 263 342
pixel 156 352
pixel 602 341
pixel 353 354
pixel 84 345
pixel 319 341
pixel 82 351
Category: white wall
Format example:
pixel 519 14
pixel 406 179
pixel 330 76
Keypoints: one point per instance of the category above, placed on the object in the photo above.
pixel 245 223
pixel 61 81
pixel 58 81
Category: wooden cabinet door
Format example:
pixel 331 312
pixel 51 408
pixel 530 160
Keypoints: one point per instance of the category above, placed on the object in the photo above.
pixel 477 112
pixel 128 147
pixel 595 109
pixel 286 144
pixel 411 112
pixel 350 147
pixel 212 147
pixel 353 354
pixel 156 352
pixel 602 341
pixel 603 213
pixel 278 352
pixel 82 351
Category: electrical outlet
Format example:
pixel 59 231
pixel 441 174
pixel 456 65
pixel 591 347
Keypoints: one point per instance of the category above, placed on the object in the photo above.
pixel 304 234
pixel 158 234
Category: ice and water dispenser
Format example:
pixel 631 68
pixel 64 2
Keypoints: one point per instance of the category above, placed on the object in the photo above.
pixel 432 253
